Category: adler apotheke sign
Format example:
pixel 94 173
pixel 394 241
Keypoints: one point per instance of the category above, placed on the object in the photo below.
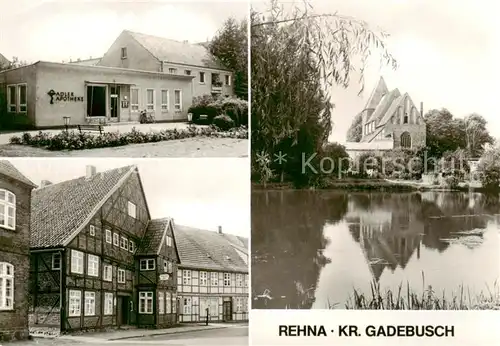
pixel 64 96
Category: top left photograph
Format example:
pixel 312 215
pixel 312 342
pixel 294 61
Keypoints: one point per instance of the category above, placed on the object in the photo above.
pixel 124 79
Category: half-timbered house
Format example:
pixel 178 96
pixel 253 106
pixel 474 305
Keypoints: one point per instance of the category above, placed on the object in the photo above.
pixel 212 276
pixel 97 258
pixel 15 192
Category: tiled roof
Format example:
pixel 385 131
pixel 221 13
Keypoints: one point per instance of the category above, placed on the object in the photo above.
pixel 6 168
pixel 207 250
pixel 151 241
pixel 177 52
pixel 59 210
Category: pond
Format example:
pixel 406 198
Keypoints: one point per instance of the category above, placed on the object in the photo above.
pixel 311 249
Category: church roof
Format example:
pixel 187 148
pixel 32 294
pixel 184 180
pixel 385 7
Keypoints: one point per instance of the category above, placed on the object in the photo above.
pixel 378 92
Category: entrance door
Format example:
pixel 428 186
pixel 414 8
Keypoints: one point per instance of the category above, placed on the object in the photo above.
pixel 227 311
pixel 123 308
pixel 114 102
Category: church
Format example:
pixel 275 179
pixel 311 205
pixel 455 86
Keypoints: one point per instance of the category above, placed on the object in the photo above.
pixel 390 120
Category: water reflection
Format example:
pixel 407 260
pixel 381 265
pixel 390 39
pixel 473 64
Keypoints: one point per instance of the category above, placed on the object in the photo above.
pixel 309 249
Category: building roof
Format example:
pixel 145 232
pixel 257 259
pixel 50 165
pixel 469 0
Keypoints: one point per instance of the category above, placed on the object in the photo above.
pixel 384 104
pixel 377 93
pixel 4 61
pixel 7 169
pixel 154 237
pixel 202 249
pixel 87 62
pixel 177 52
pixel 59 211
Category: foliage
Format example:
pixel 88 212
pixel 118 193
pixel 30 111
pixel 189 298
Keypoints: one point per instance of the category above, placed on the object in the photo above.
pixel 223 122
pixel 230 46
pixel 15 63
pixel 446 133
pixel 489 168
pixel 454 163
pixel 77 141
pixel 452 181
pixel 211 106
pixel 296 58
pixel 405 164
pixel 355 131
pixel 409 299
pixel 476 134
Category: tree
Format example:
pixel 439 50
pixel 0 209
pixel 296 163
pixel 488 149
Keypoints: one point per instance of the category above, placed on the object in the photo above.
pixel 476 134
pixel 15 63
pixel 489 167
pixel 296 58
pixel 230 46
pixel 444 133
pixel 355 131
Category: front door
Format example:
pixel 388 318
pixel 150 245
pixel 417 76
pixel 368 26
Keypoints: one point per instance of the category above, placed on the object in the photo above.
pixel 123 308
pixel 114 102
pixel 227 311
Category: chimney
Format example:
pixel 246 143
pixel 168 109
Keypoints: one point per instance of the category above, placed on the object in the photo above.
pixel 90 171
pixel 220 229
pixel 421 108
pixel 70 60
pixel 45 183
pixel 186 41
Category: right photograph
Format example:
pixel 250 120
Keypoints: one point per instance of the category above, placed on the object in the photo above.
pixel 375 159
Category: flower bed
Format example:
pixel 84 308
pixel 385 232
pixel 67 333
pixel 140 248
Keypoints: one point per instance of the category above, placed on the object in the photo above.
pixel 77 141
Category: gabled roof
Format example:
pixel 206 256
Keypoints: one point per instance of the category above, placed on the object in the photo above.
pixel 7 169
pixel 59 211
pixel 201 249
pixel 154 237
pixel 177 52
pixel 377 93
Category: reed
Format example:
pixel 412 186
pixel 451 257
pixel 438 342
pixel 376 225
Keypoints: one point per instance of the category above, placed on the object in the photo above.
pixel 405 298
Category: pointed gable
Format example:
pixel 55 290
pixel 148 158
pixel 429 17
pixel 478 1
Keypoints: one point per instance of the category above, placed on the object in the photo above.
pixel 376 96
pixel 154 238
pixel 8 169
pixel 59 211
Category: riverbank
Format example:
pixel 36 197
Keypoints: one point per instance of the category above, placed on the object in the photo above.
pixel 381 185
pixel 408 299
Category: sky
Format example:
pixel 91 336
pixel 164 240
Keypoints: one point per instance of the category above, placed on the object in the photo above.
pixel 34 30
pixel 201 193
pixel 447 51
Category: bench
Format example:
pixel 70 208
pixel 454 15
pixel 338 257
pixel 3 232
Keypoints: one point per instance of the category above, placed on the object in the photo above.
pixel 90 128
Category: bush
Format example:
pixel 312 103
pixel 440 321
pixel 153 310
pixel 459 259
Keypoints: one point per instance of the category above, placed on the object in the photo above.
pixel 212 106
pixel 223 122
pixel 202 105
pixel 451 181
pixel 78 141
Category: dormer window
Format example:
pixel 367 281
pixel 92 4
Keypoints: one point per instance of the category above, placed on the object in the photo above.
pixel 7 209
pixel 172 70
pixel 124 53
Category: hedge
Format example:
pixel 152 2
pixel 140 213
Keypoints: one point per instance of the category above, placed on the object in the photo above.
pixel 77 141
pixel 212 107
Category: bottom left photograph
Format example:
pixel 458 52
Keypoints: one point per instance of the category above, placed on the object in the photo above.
pixel 134 251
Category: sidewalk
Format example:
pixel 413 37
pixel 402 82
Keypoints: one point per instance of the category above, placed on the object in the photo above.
pixel 140 333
